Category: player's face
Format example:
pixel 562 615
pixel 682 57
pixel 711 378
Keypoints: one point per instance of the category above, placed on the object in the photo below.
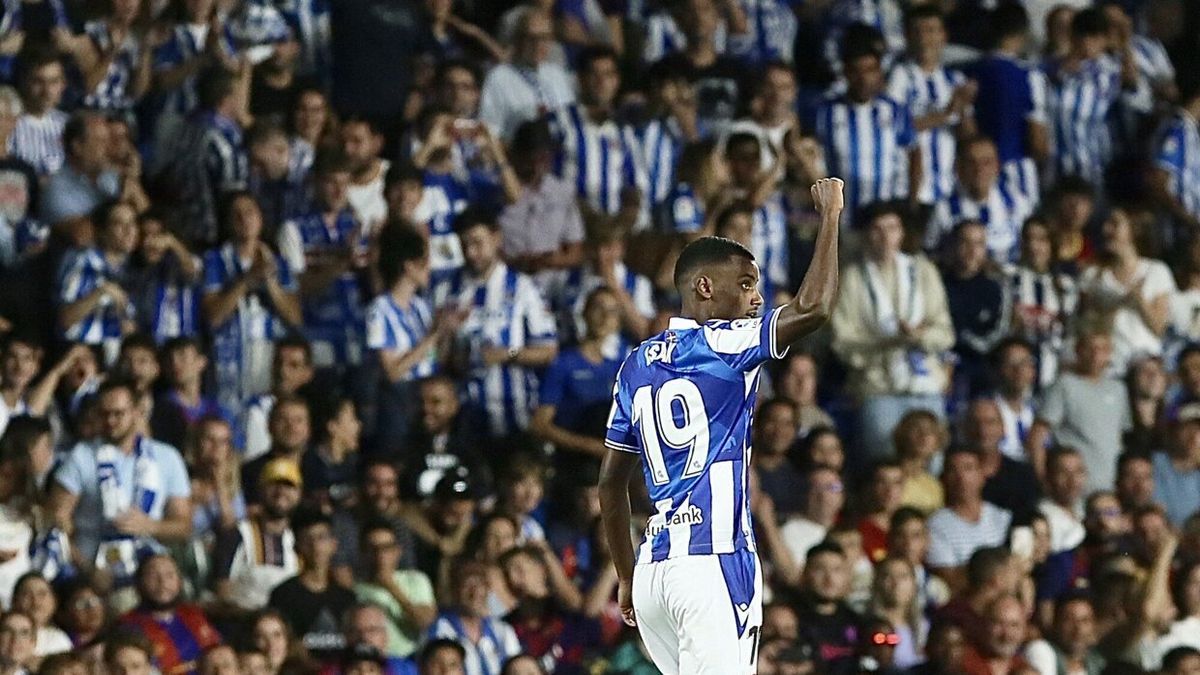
pixel 735 292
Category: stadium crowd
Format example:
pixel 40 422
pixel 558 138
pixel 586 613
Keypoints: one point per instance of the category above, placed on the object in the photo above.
pixel 311 312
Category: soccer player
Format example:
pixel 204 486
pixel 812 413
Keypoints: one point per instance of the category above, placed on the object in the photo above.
pixel 684 401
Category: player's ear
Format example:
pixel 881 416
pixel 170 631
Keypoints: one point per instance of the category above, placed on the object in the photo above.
pixel 703 286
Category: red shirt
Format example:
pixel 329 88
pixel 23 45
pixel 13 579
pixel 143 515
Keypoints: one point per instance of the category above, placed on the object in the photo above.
pixel 177 642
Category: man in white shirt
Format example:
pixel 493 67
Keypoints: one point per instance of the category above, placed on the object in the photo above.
pixel 361 143
pixel 967 523
pixel 1066 475
pixel 531 85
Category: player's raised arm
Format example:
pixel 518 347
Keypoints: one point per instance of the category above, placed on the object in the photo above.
pixel 813 304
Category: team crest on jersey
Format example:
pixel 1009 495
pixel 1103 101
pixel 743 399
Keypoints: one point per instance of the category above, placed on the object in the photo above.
pixel 661 350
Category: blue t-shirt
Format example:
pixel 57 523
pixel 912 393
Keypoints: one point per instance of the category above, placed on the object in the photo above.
pixel 574 385
pixel 1178 492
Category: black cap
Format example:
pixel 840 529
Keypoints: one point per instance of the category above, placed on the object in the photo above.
pixel 456 484
pixel 360 652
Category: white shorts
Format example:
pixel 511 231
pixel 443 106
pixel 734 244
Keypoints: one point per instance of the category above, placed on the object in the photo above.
pixel 700 614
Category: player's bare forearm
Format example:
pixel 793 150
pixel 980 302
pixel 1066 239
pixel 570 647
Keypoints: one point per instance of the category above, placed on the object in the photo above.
pixel 615 473
pixel 813 304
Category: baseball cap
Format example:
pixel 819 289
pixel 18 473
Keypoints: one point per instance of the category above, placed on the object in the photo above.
pixel 357 653
pixel 281 470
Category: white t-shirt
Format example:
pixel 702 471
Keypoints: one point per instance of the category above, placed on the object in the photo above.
pixel 952 540
pixel 800 534
pixel 368 201
pixel 1131 336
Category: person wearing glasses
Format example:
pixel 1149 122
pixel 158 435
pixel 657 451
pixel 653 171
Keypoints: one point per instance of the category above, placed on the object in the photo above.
pixel 531 85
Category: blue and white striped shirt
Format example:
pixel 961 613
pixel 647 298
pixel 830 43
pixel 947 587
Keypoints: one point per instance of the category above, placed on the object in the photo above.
pixel 332 319
pixel 1003 212
pixel 684 400
pixel 81 272
pixel 442 199
pixel 255 27
pixel 505 310
pixel 113 92
pixel 242 347
pixel 168 305
pixel 390 327
pixel 1177 151
pixel 661 143
pixel 579 284
pixel 867 145
pixel 771 35
pixel 38 140
pixel 309 20
pixel 769 243
pixel 1080 104
pixel 186 43
pixel 664 37
pixel 497 642
pixel 924 94
pixel 601 159
pixel 682 212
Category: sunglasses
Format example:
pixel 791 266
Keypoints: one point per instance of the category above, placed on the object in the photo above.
pixel 889 639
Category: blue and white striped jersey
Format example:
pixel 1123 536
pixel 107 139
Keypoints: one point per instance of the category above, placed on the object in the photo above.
pixel 664 37
pixel 600 159
pixel 1080 103
pixel 867 145
pixel 1177 151
pixel 309 20
pixel 924 94
pixel 442 199
pixel 684 400
pixel 113 92
pixel 1003 212
pixel 505 310
pixel 660 142
pixel 682 212
pixel 771 35
pixel 81 272
pixel 390 327
pixel 769 243
pixel 255 27
pixel 578 284
pixel 333 318
pixel 38 140
pixel 185 43
pixel 1012 95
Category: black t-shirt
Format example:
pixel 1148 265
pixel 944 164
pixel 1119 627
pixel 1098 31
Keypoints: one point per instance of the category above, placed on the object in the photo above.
pixel 1014 487
pixel 314 617
pixel 834 636
pixel 717 86
pixel 374 46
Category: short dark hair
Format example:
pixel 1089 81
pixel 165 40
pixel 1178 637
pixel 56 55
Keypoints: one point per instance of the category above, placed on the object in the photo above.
pixel 399 243
pixel 295 341
pixel 448 65
pixel 1074 185
pixel 434 646
pixel 113 384
pixel 1007 20
pixel 475 216
pixel 1130 456
pixel 401 172
pixel 827 546
pixel 915 14
pixel 1008 343
pixel 869 213
pixel 740 207
pixel 903 515
pixel 1089 22
pixel 532 137
pixel 354 118
pixel 213 86
pixel 1057 453
pixel 707 251
pixel 20 435
pixel 742 138
pixel 1172 659
pixel 180 343
pixel 372 525
pixel 330 162
pixel 590 55
pixel 305 518
pixel 859 40
pixel 985 563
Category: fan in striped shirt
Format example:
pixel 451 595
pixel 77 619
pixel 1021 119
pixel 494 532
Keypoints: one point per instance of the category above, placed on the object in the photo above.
pixel 37 138
pixel 869 138
pixel 1085 86
pixel 597 154
pixel 1175 176
pixel 938 98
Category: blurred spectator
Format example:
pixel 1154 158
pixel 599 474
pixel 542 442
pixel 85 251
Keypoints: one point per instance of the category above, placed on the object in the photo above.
pixel 182 404
pixel 548 625
pixel 507 332
pixel 164 282
pixel 1085 410
pixel 38 136
pixel 774 436
pixel 1175 177
pixel 1071 645
pixel 980 196
pixel 259 553
pixel 180 632
pixel 1011 484
pixel 1073 208
pixel 884 492
pixel 405 594
pixel 378 499
pixel 331 463
pixel 444 438
pixel 531 85
pixel 1130 290
pixel 1044 299
pixel 967 522
pixel 273 638
pixel 895 598
pixel 1066 475
pixel 362 142
pixel 1135 480
pixel 825 620
pixel 1177 471
pixel 760 189
pixel 34 597
pixel 919 439
pixel 890 326
pixel 276 180
pixel 798 382
pixel 21 362
pixel 1000 648
pixel 290 424
pixel 217 499
pixel 488 642
pixel 1014 366
pixel 292 373
pixel 980 307
pixel 311 602
pixel 17 639
pixel 824 498
pixel 129 653
pixel 107 497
